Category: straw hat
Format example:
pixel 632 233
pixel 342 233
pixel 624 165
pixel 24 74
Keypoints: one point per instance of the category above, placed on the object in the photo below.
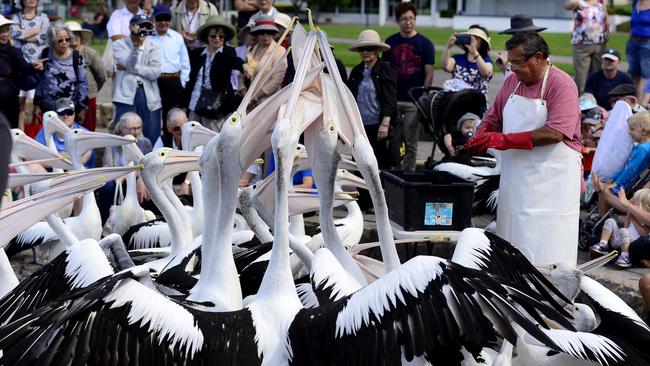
pixel 215 21
pixel 265 23
pixel 369 38
pixel 478 33
pixel 5 21
pixel 86 34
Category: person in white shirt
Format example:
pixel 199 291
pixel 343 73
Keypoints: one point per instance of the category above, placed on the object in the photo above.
pixel 174 62
pixel 135 88
pixel 266 8
pixel 176 118
pixel 118 23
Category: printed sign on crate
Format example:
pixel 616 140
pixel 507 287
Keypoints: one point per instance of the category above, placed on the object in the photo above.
pixel 438 213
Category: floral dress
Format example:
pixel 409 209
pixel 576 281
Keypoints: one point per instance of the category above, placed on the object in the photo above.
pixel 31 50
pixel 469 73
pixel 589 25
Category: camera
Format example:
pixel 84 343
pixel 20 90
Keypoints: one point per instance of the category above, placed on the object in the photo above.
pixel 463 39
pixel 146 29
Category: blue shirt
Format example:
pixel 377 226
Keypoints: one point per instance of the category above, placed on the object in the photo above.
pixel 367 99
pixel 640 22
pixel 60 144
pixel 173 54
pixel 298 177
pixel 468 72
pixel 407 57
pixel 638 162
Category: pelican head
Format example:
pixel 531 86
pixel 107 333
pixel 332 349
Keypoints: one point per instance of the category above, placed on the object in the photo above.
pixel 566 278
pixel 52 124
pixel 25 147
pixel 166 163
pixel 584 318
pixel 195 135
pixel 345 178
pixel 79 141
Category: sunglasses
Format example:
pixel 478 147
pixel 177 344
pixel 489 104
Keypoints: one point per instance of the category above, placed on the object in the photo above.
pixel 66 112
pixel 367 49
pixel 163 18
pixel 217 35
pixel 61 40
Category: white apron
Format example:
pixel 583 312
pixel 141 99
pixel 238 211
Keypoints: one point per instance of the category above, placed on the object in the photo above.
pixel 539 192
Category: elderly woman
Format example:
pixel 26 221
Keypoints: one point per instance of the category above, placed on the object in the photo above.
pixel 473 66
pixel 265 31
pixel 212 93
pixel 374 86
pixel 28 34
pixel 13 67
pixel 94 68
pixel 64 73
pixel 130 124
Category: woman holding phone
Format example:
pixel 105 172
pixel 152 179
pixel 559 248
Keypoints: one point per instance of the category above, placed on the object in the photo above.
pixel 474 66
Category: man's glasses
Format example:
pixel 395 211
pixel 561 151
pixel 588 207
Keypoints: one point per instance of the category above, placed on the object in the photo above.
pixel 407 19
pixel 265 33
pixel 66 112
pixel 518 65
pixel 367 49
pixel 134 129
pixel 217 35
pixel 61 40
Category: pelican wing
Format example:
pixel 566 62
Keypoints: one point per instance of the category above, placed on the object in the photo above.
pixel 486 251
pixel 427 307
pixel 119 319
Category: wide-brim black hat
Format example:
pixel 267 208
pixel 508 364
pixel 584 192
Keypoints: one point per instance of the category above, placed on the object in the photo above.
pixel 215 21
pixel 522 23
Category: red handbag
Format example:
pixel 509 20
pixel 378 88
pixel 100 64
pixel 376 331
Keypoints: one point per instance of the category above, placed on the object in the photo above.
pixel 32 128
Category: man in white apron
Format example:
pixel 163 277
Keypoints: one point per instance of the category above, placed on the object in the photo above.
pixel 536 120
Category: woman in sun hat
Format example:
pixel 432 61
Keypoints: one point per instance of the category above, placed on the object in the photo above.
pixel 374 86
pixel 94 67
pixel 265 30
pixel 217 64
pixel 474 66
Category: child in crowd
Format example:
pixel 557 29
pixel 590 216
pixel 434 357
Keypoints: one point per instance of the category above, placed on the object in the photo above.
pixel 465 128
pixel 639 129
pixel 591 128
pixel 624 239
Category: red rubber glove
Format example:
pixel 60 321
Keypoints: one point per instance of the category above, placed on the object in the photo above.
pixel 500 141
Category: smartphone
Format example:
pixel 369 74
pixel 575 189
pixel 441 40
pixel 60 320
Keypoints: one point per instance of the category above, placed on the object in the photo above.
pixel 462 39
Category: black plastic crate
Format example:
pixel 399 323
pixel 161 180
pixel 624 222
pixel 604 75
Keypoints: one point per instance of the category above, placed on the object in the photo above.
pixel 428 200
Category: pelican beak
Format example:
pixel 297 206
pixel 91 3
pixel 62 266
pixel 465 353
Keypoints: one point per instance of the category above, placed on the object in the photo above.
pixel 106 174
pixel 348 164
pixel 348 179
pixel 53 124
pixel 177 162
pixel 132 152
pixel 27 148
pixel 84 141
pixel 598 262
pixel 195 134
pixel 20 179
pixel 19 215
pixel 46 162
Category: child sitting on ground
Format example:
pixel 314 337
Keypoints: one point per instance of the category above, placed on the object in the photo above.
pixel 625 238
pixel 465 128
pixel 639 129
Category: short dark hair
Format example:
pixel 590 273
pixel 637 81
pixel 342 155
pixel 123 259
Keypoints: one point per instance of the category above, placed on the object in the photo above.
pixel 530 42
pixel 402 8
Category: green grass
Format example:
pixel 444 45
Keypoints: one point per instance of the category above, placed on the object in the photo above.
pixel 559 43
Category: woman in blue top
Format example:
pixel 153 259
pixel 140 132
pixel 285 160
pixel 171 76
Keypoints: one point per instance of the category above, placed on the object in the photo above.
pixel 474 66
pixel 638 46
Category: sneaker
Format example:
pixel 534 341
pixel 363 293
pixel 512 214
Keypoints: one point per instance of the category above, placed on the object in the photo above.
pixel 600 248
pixel 623 261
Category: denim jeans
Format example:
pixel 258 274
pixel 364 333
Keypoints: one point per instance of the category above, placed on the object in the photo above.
pixel 638 58
pixel 151 120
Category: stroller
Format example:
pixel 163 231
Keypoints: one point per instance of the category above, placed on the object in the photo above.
pixel 440 110
pixel 591 225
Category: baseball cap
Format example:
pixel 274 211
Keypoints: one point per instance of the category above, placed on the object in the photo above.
pixel 612 54
pixel 140 19
pixel 587 101
pixel 161 9
pixel 63 104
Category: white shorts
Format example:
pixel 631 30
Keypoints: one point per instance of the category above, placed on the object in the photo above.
pixel 27 93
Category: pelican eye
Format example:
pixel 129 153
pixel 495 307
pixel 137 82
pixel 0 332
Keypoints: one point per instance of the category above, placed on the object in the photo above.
pixel 234 119
pixel 554 266
pixel 17 133
pixel 162 154
pixel 576 308
pixel 76 131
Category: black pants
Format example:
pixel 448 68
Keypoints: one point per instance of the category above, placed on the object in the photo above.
pixel 170 92
pixel 11 108
pixel 380 148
